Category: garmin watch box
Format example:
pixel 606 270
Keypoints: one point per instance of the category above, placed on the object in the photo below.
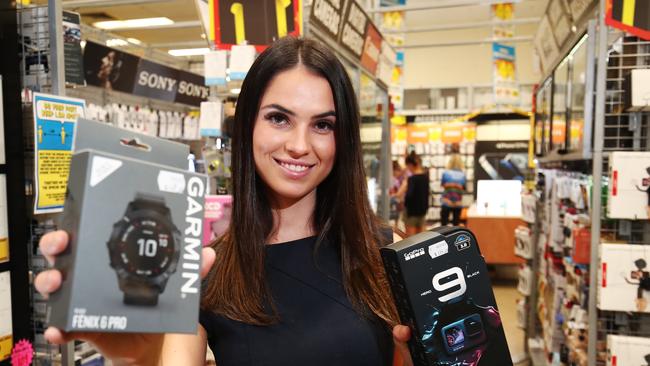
pixel 135 227
pixel 441 287
pixel 624 350
pixel 624 278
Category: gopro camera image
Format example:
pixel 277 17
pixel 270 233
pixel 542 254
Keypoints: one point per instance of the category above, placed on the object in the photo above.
pixel 463 334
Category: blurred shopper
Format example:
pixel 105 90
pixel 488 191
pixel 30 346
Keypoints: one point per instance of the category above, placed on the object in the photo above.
pixel 415 193
pixel 453 184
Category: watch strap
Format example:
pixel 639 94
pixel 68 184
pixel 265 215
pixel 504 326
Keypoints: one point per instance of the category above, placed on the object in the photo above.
pixel 150 198
pixel 139 294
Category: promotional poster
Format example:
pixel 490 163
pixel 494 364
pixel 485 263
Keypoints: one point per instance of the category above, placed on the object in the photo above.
pixel 501 160
pixel 55 120
pixel 108 68
pixel 442 291
pixel 73 58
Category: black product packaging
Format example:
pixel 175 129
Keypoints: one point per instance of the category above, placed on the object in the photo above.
pixel 134 215
pixel 441 287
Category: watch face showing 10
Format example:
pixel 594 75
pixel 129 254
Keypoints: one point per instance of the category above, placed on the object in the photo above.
pixel 147 247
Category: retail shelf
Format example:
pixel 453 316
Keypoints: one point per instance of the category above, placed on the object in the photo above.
pixel 557 157
pixel 431 112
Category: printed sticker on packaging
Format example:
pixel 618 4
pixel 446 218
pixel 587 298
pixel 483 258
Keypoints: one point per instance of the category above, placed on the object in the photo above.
pixel 171 182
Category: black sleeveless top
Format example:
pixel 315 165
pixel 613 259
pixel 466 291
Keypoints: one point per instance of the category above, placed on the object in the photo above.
pixel 318 324
pixel 416 200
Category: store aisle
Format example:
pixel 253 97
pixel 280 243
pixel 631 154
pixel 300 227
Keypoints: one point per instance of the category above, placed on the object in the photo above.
pixel 506 295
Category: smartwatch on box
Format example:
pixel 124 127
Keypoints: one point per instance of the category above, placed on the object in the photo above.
pixel 144 249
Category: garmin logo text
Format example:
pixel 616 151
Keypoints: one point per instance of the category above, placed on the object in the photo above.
pixel 192 238
pixel 156 81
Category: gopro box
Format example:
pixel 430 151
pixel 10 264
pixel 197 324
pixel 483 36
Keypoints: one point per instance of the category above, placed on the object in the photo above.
pixel 637 87
pixel 624 350
pixel 134 217
pixel 624 278
pixel 441 287
pixel 629 188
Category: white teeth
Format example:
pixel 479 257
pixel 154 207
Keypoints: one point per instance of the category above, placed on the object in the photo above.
pixel 294 168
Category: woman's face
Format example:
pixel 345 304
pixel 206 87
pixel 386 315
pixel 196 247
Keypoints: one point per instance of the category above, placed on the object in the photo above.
pixel 293 137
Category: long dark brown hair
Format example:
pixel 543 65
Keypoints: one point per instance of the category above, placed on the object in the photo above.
pixel 236 287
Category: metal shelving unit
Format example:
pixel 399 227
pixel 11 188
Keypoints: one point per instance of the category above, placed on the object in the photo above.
pixel 614 129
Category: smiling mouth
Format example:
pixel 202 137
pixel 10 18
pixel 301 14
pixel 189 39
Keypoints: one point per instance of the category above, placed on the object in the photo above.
pixel 293 167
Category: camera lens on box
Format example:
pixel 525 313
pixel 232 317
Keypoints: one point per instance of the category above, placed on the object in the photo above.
pixel 446 298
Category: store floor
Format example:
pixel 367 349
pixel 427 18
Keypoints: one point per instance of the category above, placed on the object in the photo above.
pixel 507 295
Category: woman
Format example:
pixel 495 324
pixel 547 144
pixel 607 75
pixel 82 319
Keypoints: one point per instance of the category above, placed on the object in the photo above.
pixel 453 185
pixel 298 278
pixel 415 194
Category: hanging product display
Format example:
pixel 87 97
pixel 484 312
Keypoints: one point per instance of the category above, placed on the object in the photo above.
pixel 637 87
pixel 215 65
pixel 210 118
pixel 55 121
pixel 629 191
pixel 146 267
pixel 455 319
pixel 624 278
pixel 167 124
pixel 624 350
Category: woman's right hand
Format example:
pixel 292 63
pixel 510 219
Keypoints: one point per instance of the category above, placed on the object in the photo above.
pixel 123 348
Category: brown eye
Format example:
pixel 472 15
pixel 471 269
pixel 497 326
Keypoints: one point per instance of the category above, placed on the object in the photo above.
pixel 324 126
pixel 276 119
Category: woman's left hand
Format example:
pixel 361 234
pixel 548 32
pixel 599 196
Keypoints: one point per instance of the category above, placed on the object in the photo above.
pixel 401 335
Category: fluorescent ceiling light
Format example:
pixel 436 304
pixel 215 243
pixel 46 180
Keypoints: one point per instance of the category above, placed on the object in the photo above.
pixel 189 51
pixel 133 23
pixel 116 42
pixel 235 91
pixel 134 41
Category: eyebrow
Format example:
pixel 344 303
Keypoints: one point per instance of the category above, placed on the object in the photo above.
pixel 291 113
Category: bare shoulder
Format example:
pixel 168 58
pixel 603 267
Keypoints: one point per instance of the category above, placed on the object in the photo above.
pixel 397 237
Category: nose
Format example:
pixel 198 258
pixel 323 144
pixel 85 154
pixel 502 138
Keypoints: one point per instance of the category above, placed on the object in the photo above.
pixel 298 143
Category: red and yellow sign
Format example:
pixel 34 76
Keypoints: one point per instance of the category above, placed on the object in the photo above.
pixel 631 16
pixel 254 22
